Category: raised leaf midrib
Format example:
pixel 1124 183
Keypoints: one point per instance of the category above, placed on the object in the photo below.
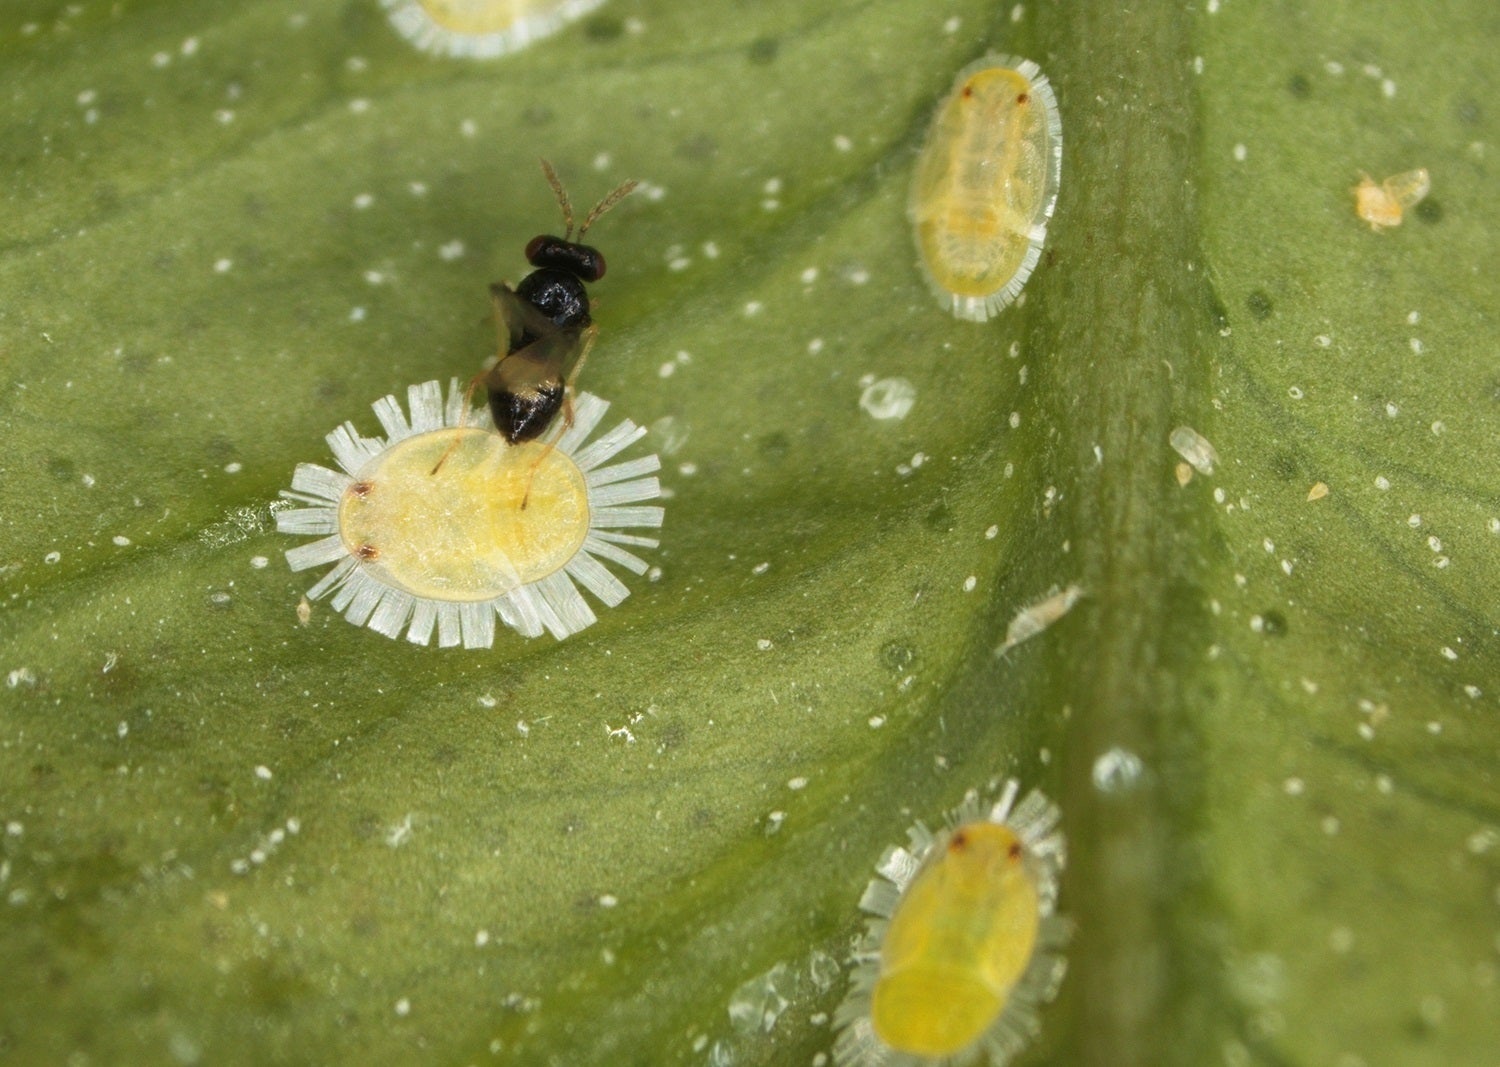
pixel 1124 349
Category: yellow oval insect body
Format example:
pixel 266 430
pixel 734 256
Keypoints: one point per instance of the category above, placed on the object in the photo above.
pixel 963 944
pixel 986 184
pixel 464 534
pixel 957 944
pixel 481 29
pixel 442 527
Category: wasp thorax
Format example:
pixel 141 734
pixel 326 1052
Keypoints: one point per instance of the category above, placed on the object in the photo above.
pixel 585 261
pixel 558 295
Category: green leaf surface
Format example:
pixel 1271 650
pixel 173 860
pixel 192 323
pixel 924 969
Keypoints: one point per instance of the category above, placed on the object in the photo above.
pixel 1271 723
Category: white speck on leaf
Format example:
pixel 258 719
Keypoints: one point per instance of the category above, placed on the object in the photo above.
pixel 399 834
pixel 1116 771
pixel 888 398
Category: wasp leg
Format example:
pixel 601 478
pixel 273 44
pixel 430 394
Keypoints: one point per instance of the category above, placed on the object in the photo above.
pixel 546 451
pixel 463 419
pixel 590 335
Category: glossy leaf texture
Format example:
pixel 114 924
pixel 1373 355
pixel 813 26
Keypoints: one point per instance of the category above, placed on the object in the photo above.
pixel 1271 722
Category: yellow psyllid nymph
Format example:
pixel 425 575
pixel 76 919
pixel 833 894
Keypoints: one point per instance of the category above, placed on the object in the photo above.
pixel 442 526
pixel 963 945
pixel 986 184
pixel 481 29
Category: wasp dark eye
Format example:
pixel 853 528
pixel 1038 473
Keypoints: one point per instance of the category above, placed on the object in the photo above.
pixel 596 265
pixel 535 245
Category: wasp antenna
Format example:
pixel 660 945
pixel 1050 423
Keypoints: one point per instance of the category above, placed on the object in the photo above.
pixel 562 199
pixel 620 193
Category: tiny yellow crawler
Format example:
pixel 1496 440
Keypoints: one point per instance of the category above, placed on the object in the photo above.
pixel 986 184
pixel 964 945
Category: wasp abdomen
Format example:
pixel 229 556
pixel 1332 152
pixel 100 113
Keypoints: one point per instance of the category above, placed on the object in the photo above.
pixel 524 416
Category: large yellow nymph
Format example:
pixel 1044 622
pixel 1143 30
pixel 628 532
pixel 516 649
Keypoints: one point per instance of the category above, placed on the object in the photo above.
pixel 985 185
pixel 493 516
pixel 443 525
pixel 963 945
pixel 481 29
